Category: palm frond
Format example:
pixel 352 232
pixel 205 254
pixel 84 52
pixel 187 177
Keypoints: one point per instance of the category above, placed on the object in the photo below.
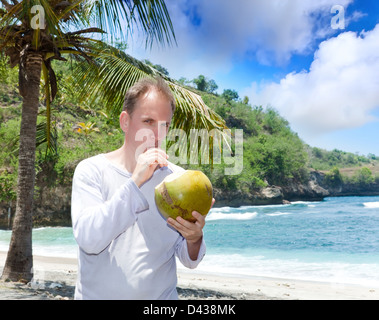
pixel 150 15
pixel 156 22
pixel 49 137
pixel 42 136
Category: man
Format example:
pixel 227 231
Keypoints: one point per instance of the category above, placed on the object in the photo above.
pixel 126 249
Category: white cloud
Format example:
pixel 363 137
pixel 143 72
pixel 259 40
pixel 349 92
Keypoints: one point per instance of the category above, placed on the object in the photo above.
pixel 339 91
pixel 271 30
pixel 212 34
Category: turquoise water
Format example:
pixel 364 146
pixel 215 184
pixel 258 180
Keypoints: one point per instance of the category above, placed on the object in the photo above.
pixel 55 242
pixel 335 240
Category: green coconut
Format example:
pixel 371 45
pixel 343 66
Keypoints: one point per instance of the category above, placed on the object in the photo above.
pixel 181 193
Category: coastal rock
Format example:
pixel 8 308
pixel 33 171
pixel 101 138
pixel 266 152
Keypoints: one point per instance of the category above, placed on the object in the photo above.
pixel 312 190
pixel 272 193
pixel 52 207
pixel 308 191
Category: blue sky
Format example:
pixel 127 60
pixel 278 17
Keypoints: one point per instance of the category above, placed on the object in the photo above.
pixel 289 55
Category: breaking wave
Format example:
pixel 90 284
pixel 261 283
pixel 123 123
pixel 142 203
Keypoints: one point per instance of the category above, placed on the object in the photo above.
pixel 231 216
pixel 371 205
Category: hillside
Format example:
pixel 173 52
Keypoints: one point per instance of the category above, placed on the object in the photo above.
pixel 278 165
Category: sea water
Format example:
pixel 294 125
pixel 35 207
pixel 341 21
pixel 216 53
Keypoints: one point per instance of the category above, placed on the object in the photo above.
pixel 335 240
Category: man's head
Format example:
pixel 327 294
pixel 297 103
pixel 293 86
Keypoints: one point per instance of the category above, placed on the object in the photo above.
pixel 140 88
pixel 148 109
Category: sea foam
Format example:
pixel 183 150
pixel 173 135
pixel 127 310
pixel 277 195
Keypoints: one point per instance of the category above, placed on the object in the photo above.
pixel 231 216
pixel 371 205
pixel 279 213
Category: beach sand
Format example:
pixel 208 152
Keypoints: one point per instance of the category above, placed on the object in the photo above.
pixel 55 279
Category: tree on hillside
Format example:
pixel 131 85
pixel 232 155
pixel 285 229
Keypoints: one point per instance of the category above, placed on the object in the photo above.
pixel 33 33
pixel 212 86
pixel 363 177
pixel 230 95
pixel 203 84
pixel 158 67
pixel 334 178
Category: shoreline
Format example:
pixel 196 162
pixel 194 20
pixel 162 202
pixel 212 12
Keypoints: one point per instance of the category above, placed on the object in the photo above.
pixel 55 279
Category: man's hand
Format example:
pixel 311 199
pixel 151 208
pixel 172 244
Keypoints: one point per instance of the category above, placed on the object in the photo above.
pixel 191 231
pixel 147 163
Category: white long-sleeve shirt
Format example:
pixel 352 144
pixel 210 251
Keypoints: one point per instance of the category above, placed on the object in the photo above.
pixel 126 248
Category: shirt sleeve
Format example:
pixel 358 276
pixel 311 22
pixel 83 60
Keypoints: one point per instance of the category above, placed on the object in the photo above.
pixel 181 252
pixel 97 222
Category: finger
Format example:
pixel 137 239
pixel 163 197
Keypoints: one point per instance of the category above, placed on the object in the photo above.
pixel 156 159
pixel 183 226
pixel 162 160
pixel 175 224
pixel 157 151
pixel 156 155
pixel 185 223
pixel 200 219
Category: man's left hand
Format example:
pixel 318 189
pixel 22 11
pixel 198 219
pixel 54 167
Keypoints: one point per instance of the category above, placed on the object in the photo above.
pixel 191 231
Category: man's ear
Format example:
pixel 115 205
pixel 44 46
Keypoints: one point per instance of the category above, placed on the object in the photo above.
pixel 124 120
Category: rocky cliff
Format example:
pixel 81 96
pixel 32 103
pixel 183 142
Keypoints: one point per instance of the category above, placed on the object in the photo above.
pixel 315 189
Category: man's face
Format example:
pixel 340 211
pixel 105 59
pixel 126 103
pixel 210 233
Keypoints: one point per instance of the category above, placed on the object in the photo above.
pixel 148 125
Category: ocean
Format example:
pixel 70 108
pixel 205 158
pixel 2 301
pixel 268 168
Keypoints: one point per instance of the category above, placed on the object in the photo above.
pixel 335 240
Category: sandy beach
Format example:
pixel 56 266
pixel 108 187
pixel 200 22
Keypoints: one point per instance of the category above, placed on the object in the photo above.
pixel 55 279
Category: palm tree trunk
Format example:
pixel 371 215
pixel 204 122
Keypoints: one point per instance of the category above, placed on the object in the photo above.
pixel 19 262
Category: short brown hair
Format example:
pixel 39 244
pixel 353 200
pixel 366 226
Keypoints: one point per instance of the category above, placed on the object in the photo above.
pixel 143 86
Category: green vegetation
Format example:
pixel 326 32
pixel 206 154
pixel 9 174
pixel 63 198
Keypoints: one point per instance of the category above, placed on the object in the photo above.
pixel 201 83
pixel 273 153
pixel 361 177
pixel 326 160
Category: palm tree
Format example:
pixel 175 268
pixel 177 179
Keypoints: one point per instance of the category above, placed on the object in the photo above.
pixel 64 28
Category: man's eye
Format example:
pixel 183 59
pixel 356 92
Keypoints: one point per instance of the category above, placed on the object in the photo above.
pixel 148 121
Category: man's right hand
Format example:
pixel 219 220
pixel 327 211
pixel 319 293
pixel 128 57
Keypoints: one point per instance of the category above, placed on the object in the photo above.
pixel 147 163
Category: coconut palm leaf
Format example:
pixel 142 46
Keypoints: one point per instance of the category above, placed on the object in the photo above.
pixel 150 15
pixel 42 137
pixel 47 135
